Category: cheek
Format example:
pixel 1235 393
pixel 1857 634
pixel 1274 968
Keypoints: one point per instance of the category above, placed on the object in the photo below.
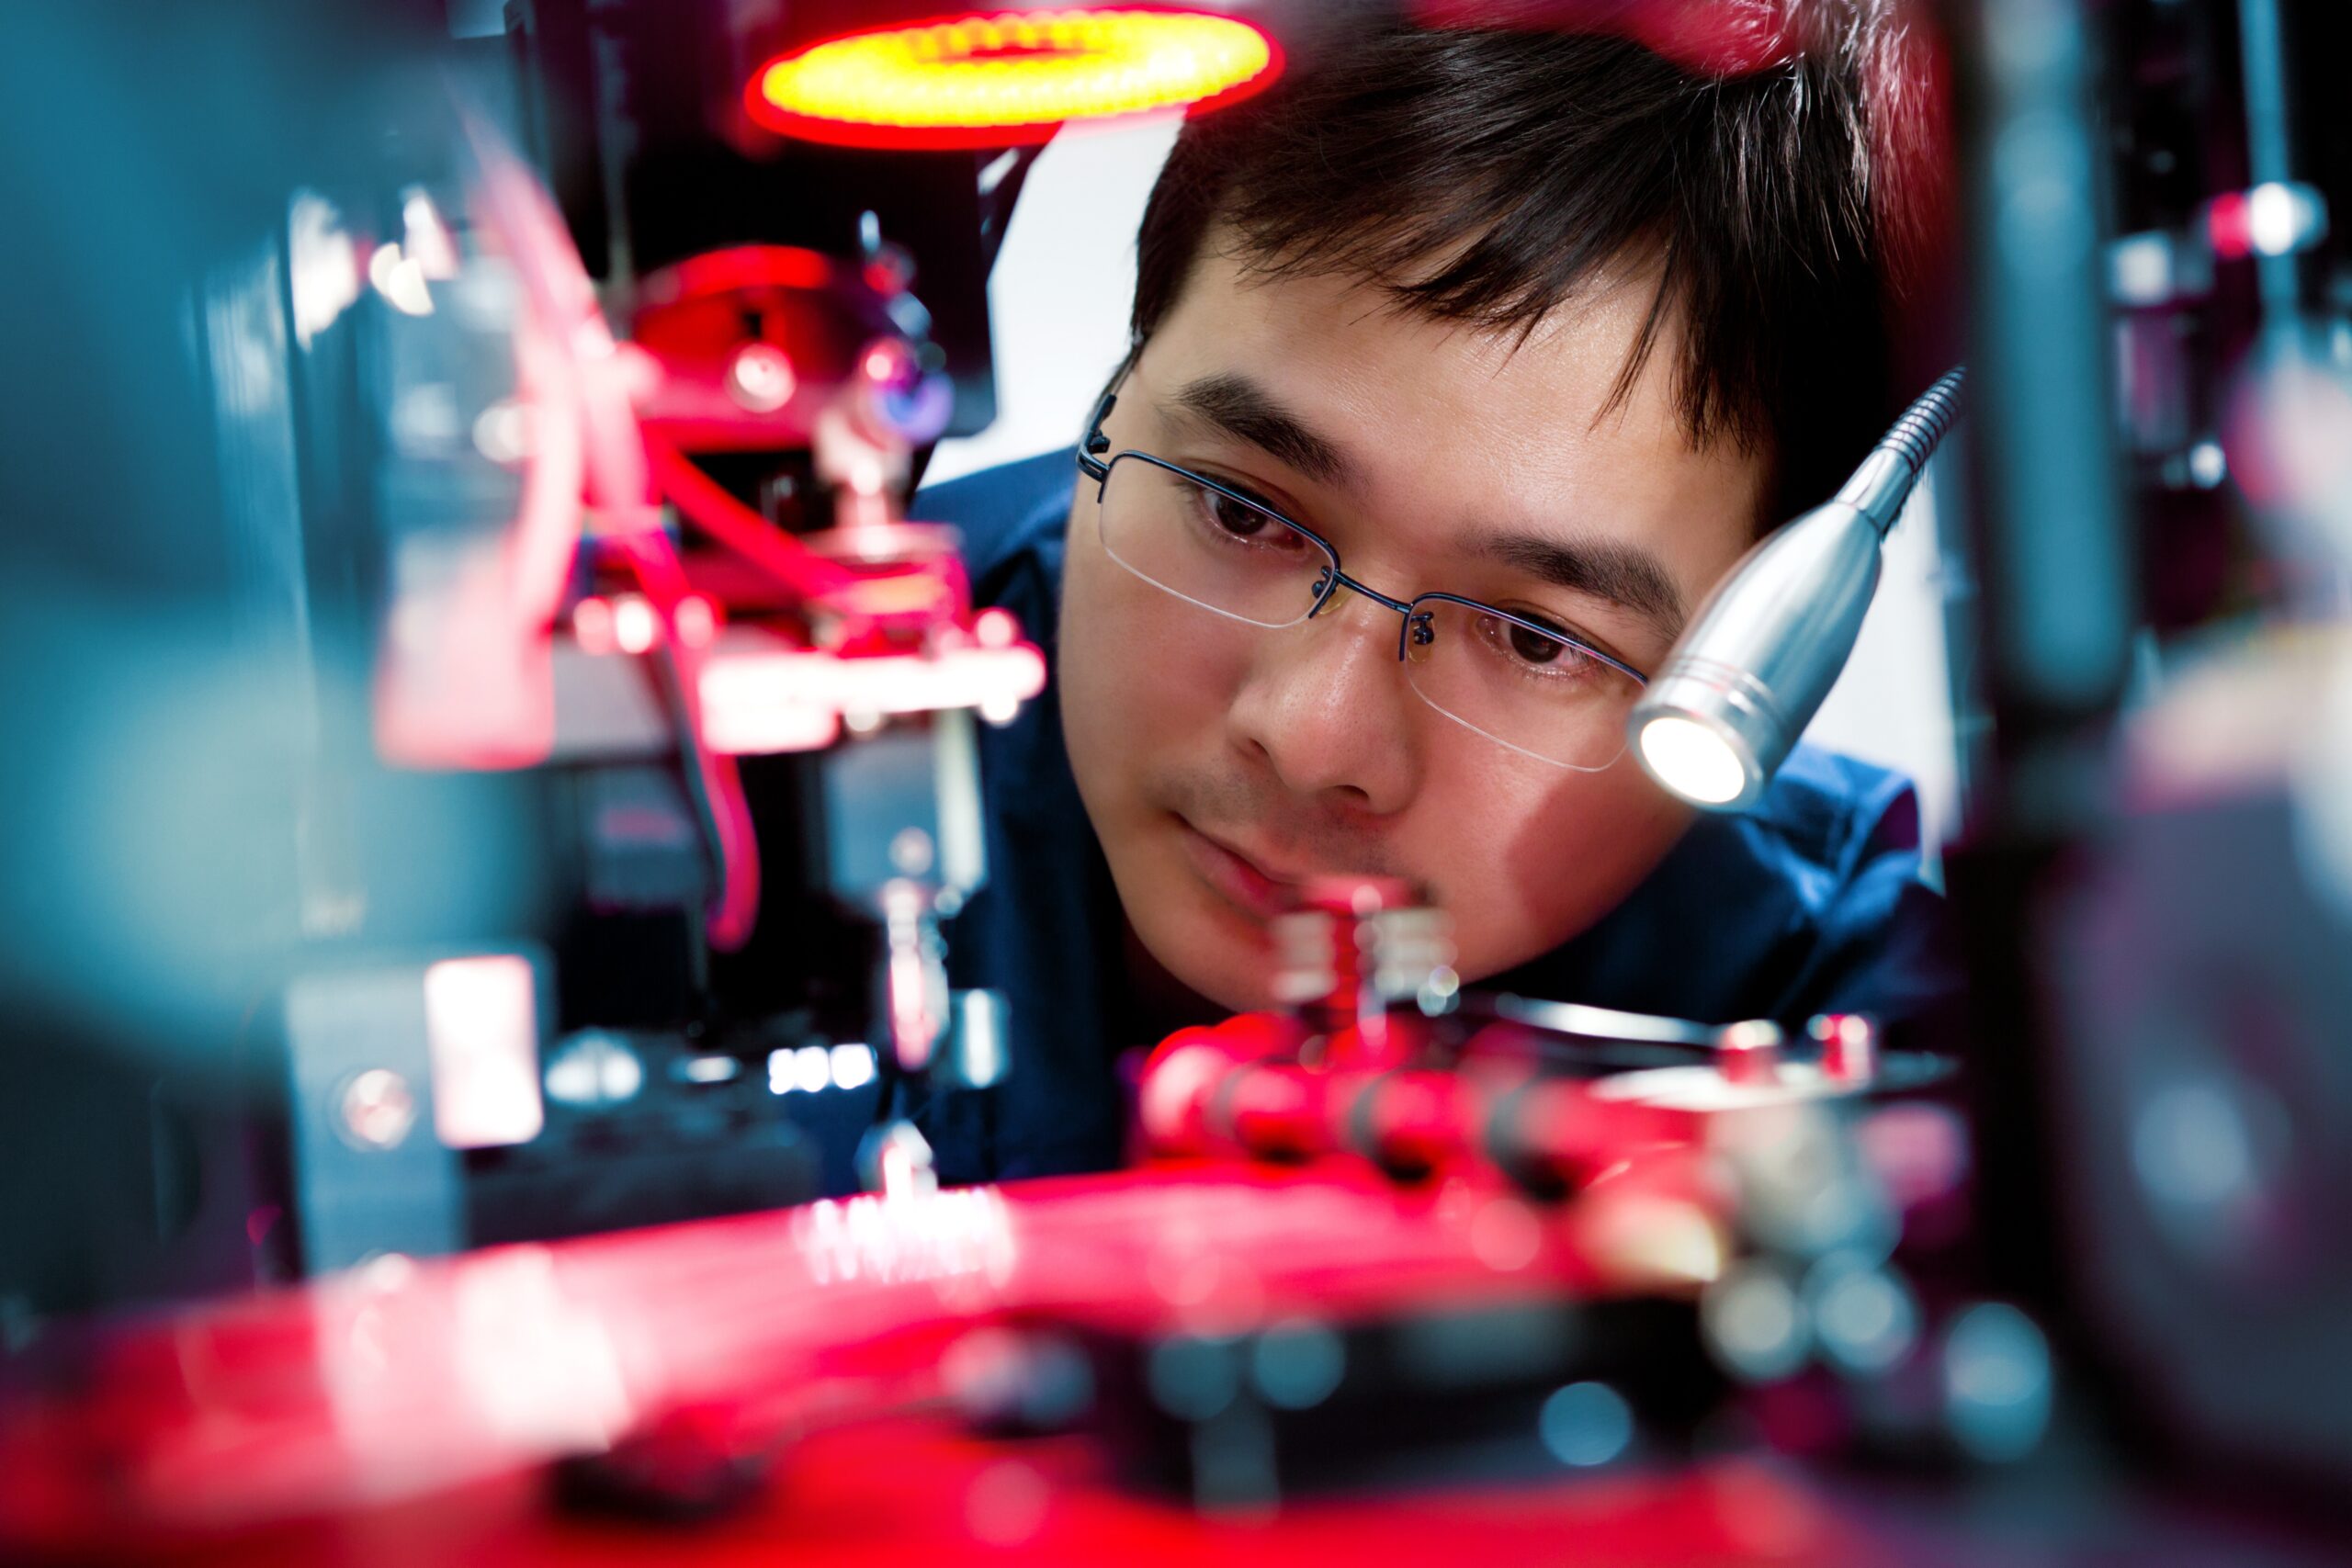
pixel 1138 678
pixel 1530 860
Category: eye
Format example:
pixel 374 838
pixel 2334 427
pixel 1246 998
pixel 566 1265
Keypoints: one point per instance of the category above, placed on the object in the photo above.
pixel 1241 522
pixel 1532 647
pixel 1231 519
pixel 1533 652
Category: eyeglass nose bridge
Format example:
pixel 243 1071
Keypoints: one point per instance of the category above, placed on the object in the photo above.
pixel 1416 627
pixel 1331 579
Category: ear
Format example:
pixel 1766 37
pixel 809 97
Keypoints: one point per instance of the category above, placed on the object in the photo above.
pixel 1091 450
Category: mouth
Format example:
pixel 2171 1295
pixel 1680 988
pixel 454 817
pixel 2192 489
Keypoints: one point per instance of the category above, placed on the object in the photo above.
pixel 1241 881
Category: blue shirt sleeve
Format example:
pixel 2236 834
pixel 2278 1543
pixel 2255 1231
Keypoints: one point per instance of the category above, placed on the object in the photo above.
pixel 1813 901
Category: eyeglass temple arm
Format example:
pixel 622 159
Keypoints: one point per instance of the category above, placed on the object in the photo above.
pixel 1090 452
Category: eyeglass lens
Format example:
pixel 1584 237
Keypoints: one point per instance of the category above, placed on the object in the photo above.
pixel 1538 694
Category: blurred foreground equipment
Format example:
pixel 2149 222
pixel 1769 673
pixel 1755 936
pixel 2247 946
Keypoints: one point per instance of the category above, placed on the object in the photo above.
pixel 2154 889
pixel 505 756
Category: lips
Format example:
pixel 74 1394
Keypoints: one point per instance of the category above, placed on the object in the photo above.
pixel 1244 883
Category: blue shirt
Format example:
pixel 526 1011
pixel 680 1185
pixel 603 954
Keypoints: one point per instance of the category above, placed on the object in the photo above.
pixel 1812 902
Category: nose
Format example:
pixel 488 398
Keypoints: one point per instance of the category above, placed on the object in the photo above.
pixel 1325 706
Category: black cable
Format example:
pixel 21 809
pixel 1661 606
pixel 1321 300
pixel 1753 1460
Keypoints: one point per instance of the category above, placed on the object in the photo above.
pixel 996 202
pixel 995 219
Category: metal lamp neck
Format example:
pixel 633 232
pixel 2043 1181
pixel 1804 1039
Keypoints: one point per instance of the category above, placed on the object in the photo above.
pixel 1884 482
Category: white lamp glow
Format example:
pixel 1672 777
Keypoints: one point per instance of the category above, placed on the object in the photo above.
pixel 1692 761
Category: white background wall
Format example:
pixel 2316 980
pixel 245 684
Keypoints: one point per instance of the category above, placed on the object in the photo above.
pixel 1060 300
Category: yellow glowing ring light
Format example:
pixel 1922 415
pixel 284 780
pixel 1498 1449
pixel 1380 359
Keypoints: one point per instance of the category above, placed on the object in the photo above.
pixel 999 80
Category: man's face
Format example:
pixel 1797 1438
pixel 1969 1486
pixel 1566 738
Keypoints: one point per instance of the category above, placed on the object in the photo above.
pixel 1222 762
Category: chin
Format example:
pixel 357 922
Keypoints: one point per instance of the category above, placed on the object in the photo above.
pixel 1213 951
pixel 1219 986
pixel 1237 978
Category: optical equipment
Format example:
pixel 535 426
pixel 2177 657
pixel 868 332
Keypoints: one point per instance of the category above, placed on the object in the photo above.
pixel 1748 677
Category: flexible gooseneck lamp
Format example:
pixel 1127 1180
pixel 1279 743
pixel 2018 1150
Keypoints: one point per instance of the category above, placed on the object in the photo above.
pixel 1748 675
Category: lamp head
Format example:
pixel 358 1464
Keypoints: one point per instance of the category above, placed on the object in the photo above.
pixel 1750 672
pixel 1748 675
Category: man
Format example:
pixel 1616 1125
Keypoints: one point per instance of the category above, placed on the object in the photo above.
pixel 1548 329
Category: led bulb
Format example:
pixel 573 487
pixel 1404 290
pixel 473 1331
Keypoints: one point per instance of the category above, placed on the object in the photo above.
pixel 1694 761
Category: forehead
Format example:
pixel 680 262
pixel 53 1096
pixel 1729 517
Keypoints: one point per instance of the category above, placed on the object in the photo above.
pixel 1454 428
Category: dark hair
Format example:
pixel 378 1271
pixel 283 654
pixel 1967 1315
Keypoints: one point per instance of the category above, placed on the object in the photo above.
pixel 1485 174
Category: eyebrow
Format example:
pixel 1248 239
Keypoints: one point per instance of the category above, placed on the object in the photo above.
pixel 1245 411
pixel 1625 575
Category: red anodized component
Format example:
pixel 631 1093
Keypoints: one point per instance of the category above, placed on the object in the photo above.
pixel 2229 224
pixel 1238 1090
pixel 411 1379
